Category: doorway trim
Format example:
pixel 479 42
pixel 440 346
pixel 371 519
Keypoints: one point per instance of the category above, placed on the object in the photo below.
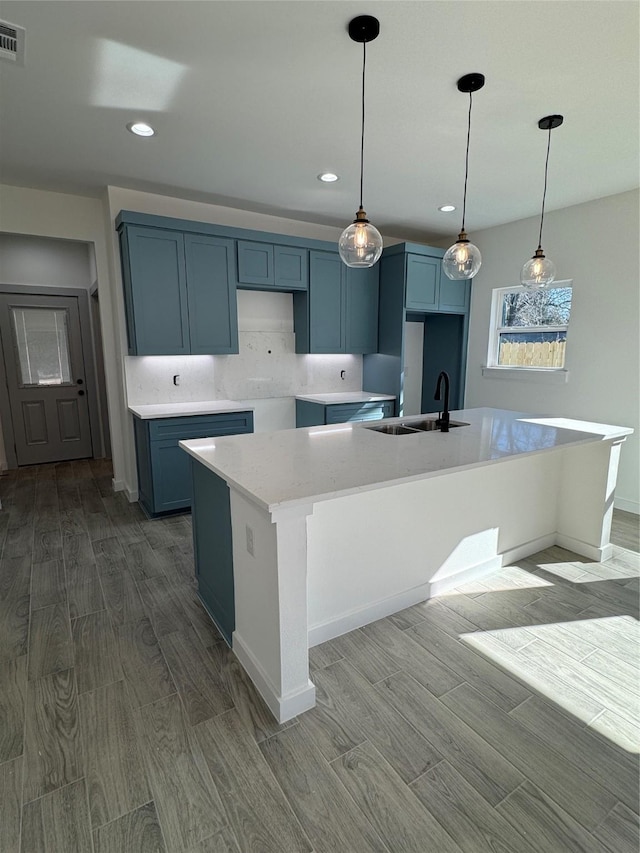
pixel 87 354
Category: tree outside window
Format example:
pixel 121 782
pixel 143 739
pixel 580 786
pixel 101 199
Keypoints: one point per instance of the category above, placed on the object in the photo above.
pixel 530 329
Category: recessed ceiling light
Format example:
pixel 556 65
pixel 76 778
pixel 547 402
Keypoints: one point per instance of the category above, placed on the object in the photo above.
pixel 328 177
pixel 140 128
pixel 447 208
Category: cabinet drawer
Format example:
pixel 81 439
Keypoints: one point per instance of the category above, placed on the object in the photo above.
pixel 359 412
pixel 200 426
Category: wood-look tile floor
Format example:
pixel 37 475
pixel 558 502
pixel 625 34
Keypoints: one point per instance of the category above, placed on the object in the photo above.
pixel 502 717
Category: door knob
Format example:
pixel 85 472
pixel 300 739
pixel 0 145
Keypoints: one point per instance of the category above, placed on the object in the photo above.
pixel 80 393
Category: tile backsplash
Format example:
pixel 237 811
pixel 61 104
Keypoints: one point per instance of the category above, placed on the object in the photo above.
pixel 267 366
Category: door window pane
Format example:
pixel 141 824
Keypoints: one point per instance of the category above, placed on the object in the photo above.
pixel 42 343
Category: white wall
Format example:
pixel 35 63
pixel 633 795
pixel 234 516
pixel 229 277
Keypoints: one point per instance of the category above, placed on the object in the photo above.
pixel 596 245
pixel 39 260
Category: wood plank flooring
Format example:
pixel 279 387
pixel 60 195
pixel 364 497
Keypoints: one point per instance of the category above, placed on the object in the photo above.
pixel 503 716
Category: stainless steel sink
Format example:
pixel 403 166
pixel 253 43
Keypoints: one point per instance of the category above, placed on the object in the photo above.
pixel 429 424
pixel 393 429
pixel 413 427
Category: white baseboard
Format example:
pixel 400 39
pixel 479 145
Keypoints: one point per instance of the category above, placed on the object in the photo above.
pixel 121 486
pixel 599 555
pixel 627 506
pixel 379 609
pixel 284 707
pixel 473 573
pixel 529 548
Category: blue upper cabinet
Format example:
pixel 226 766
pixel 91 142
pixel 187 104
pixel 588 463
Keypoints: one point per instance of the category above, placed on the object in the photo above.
pixel 429 289
pixel 255 263
pixel 361 314
pixel 155 284
pixel 340 312
pixel 454 296
pixel 423 283
pixel 180 295
pixel 265 266
pixel 326 307
pixel 291 268
pixel 213 315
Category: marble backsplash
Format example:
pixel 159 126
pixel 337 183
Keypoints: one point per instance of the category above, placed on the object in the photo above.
pixel 267 366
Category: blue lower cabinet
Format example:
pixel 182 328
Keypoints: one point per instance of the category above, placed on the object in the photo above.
pixel 318 414
pixel 164 472
pixel 213 546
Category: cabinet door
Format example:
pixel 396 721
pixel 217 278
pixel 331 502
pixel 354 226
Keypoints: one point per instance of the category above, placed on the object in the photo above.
pixel 213 547
pixel 361 317
pixel 325 303
pixel 171 476
pixel 454 296
pixel 158 292
pixel 423 279
pixel 255 263
pixel 291 268
pixel 213 312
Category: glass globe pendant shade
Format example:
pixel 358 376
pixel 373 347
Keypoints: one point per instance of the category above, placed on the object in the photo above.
pixel 462 260
pixel 538 272
pixel 360 244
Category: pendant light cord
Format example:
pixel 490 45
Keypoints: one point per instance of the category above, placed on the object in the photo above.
pixel 466 164
pixel 544 192
pixel 364 63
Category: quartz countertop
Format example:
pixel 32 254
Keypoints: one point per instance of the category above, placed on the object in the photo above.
pixel 179 410
pixel 298 466
pixel 344 397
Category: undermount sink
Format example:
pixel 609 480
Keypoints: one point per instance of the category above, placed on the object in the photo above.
pixel 429 424
pixel 393 429
pixel 413 427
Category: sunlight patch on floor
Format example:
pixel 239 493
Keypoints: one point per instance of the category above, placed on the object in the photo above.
pixel 604 693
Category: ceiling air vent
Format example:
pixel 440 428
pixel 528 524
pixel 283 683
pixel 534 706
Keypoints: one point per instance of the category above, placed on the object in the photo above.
pixel 12 43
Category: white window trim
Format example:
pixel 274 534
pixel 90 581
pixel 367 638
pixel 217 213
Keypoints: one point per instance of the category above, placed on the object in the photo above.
pixel 553 375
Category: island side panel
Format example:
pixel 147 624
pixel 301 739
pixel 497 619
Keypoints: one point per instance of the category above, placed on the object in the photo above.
pixel 588 482
pixel 270 577
pixel 213 550
pixel 375 553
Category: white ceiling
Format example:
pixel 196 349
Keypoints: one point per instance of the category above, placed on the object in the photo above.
pixel 251 100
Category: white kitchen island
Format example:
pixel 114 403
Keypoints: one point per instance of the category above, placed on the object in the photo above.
pixel 324 529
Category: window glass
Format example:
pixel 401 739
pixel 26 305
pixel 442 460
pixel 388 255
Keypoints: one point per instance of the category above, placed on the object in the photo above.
pixel 42 344
pixel 531 327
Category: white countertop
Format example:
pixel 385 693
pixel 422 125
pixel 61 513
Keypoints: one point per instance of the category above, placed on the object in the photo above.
pixel 344 397
pixel 307 465
pixel 178 410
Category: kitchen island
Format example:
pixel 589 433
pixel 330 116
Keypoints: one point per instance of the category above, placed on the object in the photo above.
pixel 302 535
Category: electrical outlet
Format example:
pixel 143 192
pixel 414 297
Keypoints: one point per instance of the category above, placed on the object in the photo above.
pixel 249 533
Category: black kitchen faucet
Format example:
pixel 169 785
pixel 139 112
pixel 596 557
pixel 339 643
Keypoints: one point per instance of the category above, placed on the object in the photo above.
pixel 443 420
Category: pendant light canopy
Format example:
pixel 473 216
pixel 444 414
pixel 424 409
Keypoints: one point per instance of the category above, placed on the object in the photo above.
pixel 540 271
pixel 463 259
pixel 360 244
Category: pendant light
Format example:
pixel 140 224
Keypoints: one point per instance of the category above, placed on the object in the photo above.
pixel 540 271
pixel 463 259
pixel 360 244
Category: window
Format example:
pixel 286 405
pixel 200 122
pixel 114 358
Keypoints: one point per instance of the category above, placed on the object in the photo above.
pixel 529 328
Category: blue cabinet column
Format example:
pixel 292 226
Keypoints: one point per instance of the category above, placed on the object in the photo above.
pixel 155 291
pixel 340 312
pixel 213 312
pixel 326 310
